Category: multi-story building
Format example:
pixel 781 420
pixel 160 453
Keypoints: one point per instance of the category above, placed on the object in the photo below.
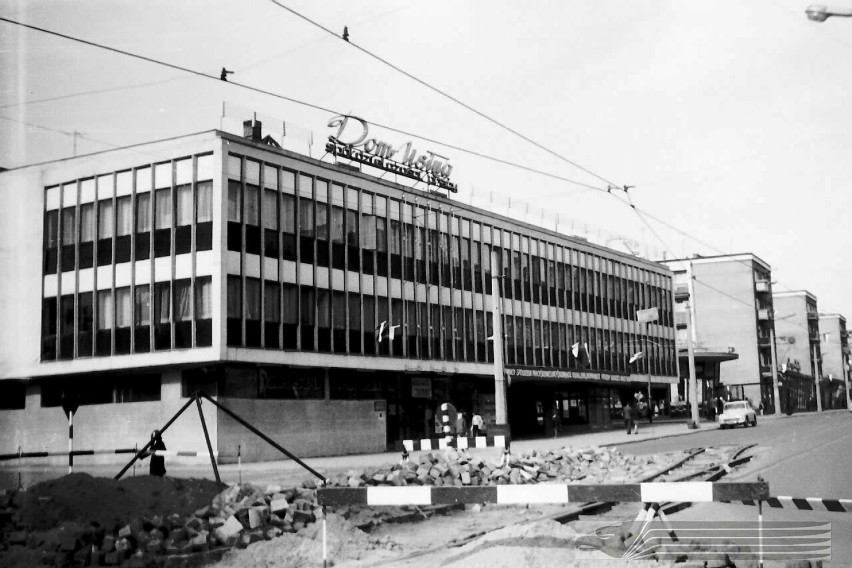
pixel 333 309
pixel 730 298
pixel 834 346
pixel 798 345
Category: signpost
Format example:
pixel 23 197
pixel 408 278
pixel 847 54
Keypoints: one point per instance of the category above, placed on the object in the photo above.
pixel 70 403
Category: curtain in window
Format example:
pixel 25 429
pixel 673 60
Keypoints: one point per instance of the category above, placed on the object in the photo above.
pixel 288 214
pixel 105 309
pixel 291 304
pixel 163 213
pixel 183 300
pixel 205 202
pixel 234 209
pixel 368 232
pixel 122 307
pixel 68 218
pixel 143 305
pixel 184 205
pixel 272 304
pixel 235 301
pixel 337 225
pixel 143 213
pixel 270 209
pixel 252 212
pixel 203 287
pixel 51 229
pixel 252 299
pixel 105 220
pixel 87 222
pixel 162 303
pixel 306 217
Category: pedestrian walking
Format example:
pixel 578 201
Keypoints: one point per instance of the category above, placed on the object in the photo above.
pixel 557 420
pixel 628 417
pixel 158 463
pixel 476 424
pixel 461 423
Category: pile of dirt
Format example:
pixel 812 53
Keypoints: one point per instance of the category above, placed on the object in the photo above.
pixel 81 498
pixel 303 549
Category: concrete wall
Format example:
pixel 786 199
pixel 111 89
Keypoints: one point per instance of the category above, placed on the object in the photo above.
pixel 721 321
pixel 306 428
pixel 107 427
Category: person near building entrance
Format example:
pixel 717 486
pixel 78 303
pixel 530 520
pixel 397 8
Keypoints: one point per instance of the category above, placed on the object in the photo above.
pixel 557 420
pixel 476 424
pixel 461 423
pixel 628 417
pixel 439 425
pixel 720 406
pixel 158 463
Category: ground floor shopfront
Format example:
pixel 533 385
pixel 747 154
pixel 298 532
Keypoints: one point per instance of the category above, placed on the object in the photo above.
pixel 310 411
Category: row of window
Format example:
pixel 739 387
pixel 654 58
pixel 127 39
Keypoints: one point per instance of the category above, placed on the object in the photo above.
pixel 117 230
pixel 301 218
pixel 268 314
pixel 138 319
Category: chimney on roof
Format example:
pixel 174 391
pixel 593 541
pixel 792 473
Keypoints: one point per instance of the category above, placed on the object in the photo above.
pixel 251 129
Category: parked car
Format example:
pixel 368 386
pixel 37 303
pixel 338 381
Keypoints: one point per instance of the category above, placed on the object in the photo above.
pixel 737 412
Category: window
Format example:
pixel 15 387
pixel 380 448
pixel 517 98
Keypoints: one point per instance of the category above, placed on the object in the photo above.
pixel 253 315
pixel 48 329
pixel 290 320
pixel 252 218
pixel 66 327
pixel 143 226
pixel 87 234
pixel 270 223
pixel 162 316
pixel 106 229
pixel 307 317
pixel 122 320
pixel 69 219
pixel 306 230
pixel 204 216
pixel 85 324
pixel 183 219
pixel 183 313
pixel 235 311
pixel 235 235
pixel 142 319
pixel 162 223
pixel 288 227
pixel 51 241
pixel 203 311
pixel 271 314
pixel 103 343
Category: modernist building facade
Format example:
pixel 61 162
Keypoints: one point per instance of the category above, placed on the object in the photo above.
pixel 834 346
pixel 331 308
pixel 730 298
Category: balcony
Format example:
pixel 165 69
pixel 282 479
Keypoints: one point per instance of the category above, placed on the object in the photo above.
pixel 813 314
pixel 764 314
pixel 762 286
pixel 763 341
pixel 681 319
pixel 681 293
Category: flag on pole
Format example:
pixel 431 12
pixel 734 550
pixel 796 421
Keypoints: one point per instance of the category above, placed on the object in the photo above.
pixel 647 316
pixel 637 356
pixel 380 331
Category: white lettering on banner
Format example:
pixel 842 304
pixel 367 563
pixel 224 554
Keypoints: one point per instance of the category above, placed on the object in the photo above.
pixel 352 141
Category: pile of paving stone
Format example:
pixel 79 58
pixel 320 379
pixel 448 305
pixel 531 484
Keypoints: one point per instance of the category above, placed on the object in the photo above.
pixel 238 516
pixel 459 468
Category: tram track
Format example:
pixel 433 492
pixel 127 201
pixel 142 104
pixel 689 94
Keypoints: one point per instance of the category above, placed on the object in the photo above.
pixel 692 467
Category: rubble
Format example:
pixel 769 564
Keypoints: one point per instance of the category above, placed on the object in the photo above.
pixel 243 514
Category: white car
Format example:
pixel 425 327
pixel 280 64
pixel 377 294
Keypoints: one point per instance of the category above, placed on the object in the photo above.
pixel 737 412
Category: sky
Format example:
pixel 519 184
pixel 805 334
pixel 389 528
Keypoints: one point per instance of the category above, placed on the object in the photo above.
pixel 730 119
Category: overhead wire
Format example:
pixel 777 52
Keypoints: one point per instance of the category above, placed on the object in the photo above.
pixel 303 103
pixel 446 95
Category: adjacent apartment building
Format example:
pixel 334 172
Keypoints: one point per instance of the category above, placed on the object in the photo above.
pixel 333 309
pixel 834 346
pixel 731 300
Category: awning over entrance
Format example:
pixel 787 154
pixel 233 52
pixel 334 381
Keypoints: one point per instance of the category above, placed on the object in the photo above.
pixel 537 374
pixel 707 356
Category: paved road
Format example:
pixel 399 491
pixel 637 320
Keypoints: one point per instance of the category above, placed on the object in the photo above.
pixel 800 456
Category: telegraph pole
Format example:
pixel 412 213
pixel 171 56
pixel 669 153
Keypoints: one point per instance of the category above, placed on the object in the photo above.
pixel 817 378
pixel 693 380
pixel 776 392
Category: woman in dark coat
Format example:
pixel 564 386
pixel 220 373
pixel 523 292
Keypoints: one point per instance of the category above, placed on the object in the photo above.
pixel 158 463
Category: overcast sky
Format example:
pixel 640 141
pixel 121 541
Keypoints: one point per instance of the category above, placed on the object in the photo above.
pixel 731 119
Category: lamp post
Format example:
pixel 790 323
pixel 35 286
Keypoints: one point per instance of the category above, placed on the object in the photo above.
pixel 500 409
pixel 820 13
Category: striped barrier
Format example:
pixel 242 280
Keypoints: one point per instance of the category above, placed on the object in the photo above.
pixel 173 453
pixel 545 493
pixel 458 442
pixel 807 504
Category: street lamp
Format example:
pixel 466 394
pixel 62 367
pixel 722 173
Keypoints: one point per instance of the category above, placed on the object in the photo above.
pixel 820 13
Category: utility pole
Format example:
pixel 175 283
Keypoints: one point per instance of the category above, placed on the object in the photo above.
pixel 499 376
pixel 693 381
pixel 817 378
pixel 776 392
